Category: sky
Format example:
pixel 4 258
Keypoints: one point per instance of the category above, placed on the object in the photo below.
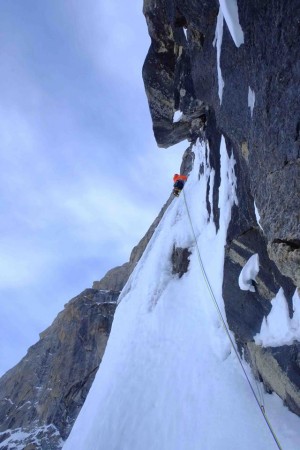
pixel 82 178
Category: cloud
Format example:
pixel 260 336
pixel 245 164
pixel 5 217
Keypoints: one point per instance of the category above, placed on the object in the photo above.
pixel 114 37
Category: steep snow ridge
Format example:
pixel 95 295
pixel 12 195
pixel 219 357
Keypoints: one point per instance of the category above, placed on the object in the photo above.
pixel 168 377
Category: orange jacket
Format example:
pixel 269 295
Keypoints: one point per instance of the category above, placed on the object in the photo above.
pixel 179 177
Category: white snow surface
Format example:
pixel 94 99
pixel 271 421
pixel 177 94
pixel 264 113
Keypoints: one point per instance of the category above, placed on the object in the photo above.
pixel 218 43
pixel 248 273
pixel 257 215
pixel 277 328
pixel 177 116
pixel 168 379
pixel 231 16
pixel 251 100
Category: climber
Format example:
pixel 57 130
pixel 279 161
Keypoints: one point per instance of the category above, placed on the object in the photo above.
pixel 179 181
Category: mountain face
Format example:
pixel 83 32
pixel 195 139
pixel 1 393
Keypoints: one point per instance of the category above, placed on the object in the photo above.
pixel 257 111
pixel 235 83
pixel 42 395
pixel 169 373
pixel 239 77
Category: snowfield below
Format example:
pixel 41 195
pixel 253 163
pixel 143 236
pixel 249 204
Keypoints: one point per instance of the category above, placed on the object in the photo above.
pixel 169 379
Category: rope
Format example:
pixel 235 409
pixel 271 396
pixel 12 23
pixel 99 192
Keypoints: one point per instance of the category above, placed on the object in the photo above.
pixel 261 407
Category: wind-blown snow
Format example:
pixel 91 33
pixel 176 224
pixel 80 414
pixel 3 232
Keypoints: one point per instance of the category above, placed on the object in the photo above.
pixel 277 328
pixel 248 273
pixel 251 100
pixel 231 15
pixel 218 43
pixel 168 379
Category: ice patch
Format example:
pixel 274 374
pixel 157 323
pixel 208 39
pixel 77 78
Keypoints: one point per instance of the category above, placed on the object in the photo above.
pixel 248 273
pixel 251 100
pixel 257 216
pixel 277 328
pixel 218 43
pixel 231 15
pixel 177 116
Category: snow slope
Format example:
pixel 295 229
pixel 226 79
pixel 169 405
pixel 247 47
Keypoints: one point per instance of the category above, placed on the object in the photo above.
pixel 168 379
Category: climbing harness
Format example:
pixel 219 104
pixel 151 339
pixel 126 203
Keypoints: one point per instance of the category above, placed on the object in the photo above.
pixel 176 192
pixel 209 288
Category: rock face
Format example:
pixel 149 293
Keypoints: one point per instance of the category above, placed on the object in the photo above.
pixel 258 114
pixel 180 73
pixel 42 395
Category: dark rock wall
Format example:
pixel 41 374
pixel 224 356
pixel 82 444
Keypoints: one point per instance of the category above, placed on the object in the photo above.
pixel 50 384
pixel 180 72
pixel 265 146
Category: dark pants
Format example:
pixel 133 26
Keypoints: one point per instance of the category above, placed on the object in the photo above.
pixel 179 184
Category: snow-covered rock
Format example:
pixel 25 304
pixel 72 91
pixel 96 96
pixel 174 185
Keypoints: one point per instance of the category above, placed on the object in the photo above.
pixel 249 273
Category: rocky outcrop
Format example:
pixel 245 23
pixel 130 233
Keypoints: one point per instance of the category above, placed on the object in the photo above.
pixel 180 260
pixel 278 368
pixel 41 396
pixel 258 113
